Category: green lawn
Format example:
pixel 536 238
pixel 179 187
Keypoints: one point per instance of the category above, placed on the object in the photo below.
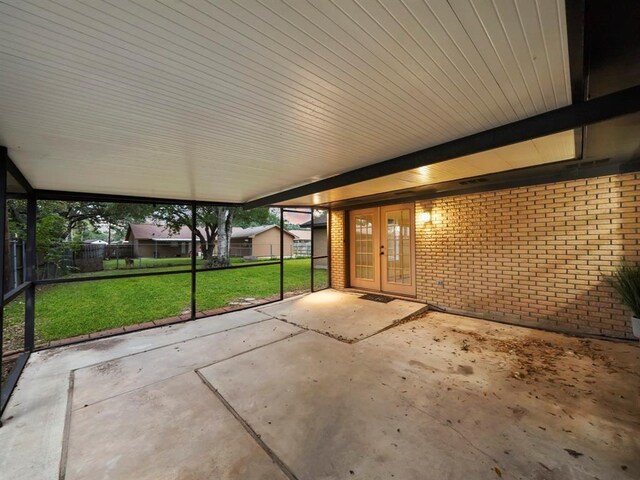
pixel 117 267
pixel 67 310
pixel 185 262
pixel 114 264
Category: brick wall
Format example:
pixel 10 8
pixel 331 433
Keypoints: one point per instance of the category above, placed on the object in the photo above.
pixel 336 225
pixel 533 255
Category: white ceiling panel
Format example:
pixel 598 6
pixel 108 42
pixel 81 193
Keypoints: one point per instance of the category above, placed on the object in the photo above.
pixel 233 100
pixel 549 149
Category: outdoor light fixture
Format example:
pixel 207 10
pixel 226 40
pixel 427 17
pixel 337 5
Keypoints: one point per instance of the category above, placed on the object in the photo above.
pixel 425 217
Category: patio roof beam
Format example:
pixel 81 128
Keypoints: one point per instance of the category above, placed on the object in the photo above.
pixel 524 177
pixel 566 118
pixel 101 197
pixel 576 39
pixel 15 171
pixel 575 12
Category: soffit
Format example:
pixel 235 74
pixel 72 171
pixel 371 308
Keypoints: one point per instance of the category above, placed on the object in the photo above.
pixel 229 101
pixel 539 151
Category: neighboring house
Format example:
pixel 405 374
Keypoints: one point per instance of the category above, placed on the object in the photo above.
pixel 260 242
pixel 319 238
pixel 302 243
pixel 158 241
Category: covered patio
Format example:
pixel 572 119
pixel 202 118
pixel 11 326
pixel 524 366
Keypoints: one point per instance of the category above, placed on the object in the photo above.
pixel 467 173
pixel 245 395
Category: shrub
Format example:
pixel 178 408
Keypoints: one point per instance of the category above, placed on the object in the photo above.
pixel 626 281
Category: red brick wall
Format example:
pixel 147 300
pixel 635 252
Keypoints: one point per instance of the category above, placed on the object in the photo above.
pixel 534 255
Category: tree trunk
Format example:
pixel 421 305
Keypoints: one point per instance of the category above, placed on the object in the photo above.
pixel 228 227
pixel 211 241
pixel 203 244
pixel 224 237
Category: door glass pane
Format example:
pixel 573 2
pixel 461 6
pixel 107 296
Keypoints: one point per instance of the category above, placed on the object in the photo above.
pixel 364 246
pixel 398 255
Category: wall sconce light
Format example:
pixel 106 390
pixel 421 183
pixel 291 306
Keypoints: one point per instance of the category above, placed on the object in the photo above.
pixel 425 217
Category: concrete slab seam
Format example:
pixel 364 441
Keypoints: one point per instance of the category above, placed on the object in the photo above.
pixel 412 316
pixel 409 318
pixel 170 344
pixel 177 374
pixel 449 426
pixel 291 335
pixel 261 308
pixel 62 471
pixel 283 466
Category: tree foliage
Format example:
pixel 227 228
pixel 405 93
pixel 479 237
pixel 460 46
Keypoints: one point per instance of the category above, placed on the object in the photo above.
pixel 60 224
pixel 208 222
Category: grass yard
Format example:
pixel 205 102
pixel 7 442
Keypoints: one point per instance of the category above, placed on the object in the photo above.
pixel 185 262
pixel 72 309
pixel 117 267
pixel 115 264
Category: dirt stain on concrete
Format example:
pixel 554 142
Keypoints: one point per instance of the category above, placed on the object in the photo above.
pixel 95 345
pixel 99 345
pixel 109 368
pixel 417 363
pixel 518 412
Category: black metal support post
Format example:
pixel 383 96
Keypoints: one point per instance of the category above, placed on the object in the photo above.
pixel 281 254
pixel 12 380
pixel 194 225
pixel 329 248
pixel 3 219
pixel 312 253
pixel 30 260
pixel 7 387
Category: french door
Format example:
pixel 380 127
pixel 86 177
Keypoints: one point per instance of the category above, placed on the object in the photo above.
pixel 382 245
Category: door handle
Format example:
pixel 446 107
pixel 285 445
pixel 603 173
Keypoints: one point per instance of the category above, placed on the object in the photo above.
pixel 381 249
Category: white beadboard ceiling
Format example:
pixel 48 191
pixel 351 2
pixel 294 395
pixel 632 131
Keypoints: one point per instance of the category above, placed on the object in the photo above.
pixel 552 148
pixel 233 100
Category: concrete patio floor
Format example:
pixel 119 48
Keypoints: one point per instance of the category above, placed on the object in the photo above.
pixel 354 320
pixel 246 395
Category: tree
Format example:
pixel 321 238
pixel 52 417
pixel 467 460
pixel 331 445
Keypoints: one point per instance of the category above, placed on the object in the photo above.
pixel 213 223
pixel 54 223
pixel 57 221
pixel 118 216
pixel 229 217
pixel 174 217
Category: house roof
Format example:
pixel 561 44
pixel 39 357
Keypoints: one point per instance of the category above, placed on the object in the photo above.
pixel 150 231
pixel 302 234
pixel 319 222
pixel 252 232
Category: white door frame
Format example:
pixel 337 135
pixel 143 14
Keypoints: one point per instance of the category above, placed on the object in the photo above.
pixel 365 271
